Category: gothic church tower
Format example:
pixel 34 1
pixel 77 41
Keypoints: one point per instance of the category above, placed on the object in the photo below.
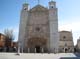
pixel 53 22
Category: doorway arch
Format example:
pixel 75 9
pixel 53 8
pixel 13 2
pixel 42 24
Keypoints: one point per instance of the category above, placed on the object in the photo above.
pixel 38 49
pixel 37 43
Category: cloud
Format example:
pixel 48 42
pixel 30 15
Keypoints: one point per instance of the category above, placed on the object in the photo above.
pixel 71 24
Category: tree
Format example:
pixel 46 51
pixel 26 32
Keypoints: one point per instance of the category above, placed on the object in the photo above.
pixel 9 37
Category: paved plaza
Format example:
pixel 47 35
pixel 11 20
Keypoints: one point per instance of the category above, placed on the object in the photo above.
pixel 39 56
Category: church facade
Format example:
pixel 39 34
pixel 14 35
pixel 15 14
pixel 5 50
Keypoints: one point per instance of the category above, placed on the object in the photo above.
pixel 66 44
pixel 38 31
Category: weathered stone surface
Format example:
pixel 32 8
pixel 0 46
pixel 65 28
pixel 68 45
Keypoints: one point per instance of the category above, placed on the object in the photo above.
pixel 39 28
pixel 66 42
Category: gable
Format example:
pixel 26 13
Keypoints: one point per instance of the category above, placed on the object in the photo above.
pixel 38 8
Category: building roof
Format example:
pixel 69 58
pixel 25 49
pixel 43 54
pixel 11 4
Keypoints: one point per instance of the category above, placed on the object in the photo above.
pixel 65 31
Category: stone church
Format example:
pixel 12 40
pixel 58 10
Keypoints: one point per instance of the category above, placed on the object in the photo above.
pixel 66 44
pixel 38 31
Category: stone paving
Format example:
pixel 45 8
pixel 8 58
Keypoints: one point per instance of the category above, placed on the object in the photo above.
pixel 39 56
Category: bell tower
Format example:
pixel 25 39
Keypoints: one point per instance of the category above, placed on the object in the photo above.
pixel 52 4
pixel 22 25
pixel 53 24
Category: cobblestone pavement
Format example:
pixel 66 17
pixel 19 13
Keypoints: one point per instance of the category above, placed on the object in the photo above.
pixel 39 56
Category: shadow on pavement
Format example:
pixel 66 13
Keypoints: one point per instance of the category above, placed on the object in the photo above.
pixel 76 54
pixel 70 58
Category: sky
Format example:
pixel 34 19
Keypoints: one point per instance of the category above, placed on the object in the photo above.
pixel 68 15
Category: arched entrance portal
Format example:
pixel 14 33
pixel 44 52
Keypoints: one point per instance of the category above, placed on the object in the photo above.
pixel 66 50
pixel 36 44
pixel 38 49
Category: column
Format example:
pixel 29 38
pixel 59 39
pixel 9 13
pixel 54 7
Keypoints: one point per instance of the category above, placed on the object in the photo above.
pixel 28 50
pixel 22 49
pixel 35 50
pixel 42 50
pixel 64 50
